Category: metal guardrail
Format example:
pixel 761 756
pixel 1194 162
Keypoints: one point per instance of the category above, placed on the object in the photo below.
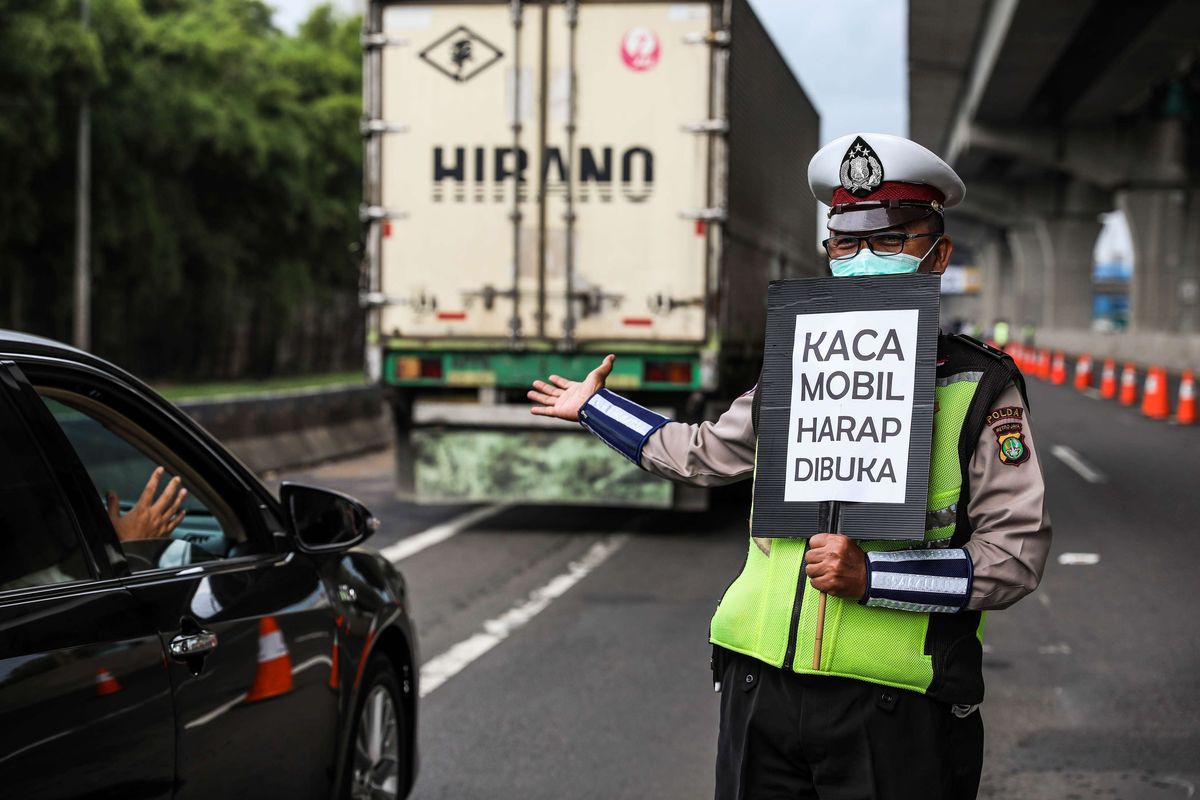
pixel 287 429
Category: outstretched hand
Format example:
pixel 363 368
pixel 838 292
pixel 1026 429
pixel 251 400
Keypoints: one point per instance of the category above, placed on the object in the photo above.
pixel 150 518
pixel 563 398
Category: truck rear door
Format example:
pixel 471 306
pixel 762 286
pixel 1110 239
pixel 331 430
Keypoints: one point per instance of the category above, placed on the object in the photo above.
pixel 527 169
pixel 628 100
pixel 452 80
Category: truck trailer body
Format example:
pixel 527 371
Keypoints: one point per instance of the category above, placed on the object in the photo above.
pixel 548 182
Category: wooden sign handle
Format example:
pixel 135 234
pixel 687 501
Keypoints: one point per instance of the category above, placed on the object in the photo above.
pixel 820 631
pixel 835 526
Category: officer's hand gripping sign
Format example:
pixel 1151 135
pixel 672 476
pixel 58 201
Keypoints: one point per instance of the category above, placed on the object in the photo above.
pixel 846 406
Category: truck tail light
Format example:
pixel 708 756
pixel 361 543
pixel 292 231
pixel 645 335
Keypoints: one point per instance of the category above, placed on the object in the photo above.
pixel 667 372
pixel 431 368
pixel 414 367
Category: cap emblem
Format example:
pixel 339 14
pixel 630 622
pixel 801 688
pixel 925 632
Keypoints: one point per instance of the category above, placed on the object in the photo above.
pixel 861 171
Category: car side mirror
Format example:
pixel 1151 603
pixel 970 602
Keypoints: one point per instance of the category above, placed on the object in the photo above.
pixel 323 521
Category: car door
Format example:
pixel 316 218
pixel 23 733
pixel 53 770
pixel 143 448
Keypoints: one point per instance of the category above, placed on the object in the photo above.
pixel 85 701
pixel 249 624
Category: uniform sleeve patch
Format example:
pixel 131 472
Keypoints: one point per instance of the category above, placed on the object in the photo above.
pixel 1013 450
pixel 1006 414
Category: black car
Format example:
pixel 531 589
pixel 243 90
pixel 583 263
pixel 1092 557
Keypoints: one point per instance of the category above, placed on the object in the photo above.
pixel 252 651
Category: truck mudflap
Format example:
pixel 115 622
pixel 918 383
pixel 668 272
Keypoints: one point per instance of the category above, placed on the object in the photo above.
pixel 482 453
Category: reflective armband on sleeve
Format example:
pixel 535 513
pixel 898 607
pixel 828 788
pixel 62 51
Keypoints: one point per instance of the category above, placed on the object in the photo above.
pixel 621 424
pixel 919 580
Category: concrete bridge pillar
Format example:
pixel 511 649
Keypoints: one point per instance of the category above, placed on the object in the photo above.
pixel 996 295
pixel 1030 264
pixel 1069 242
pixel 1165 227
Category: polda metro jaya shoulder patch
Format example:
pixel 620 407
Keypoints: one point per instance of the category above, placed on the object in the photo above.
pixel 1013 450
pixel 1013 413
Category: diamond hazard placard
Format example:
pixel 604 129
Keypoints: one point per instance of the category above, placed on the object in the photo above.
pixel 461 54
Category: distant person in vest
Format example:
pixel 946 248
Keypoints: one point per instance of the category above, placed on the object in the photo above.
pixel 893 710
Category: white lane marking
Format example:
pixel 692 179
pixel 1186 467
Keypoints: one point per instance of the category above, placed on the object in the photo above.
pixel 1078 559
pixel 1187 786
pixel 411 545
pixel 1057 649
pixel 442 668
pixel 204 719
pixel 1076 462
pixel 312 662
pixel 1044 599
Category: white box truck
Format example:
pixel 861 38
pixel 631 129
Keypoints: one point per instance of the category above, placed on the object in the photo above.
pixel 547 182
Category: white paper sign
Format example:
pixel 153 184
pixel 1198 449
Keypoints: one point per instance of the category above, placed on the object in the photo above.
pixel 851 411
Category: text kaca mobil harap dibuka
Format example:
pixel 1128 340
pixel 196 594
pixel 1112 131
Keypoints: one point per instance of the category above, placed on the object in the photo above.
pixel 852 350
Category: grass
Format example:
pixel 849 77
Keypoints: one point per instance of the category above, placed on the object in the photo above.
pixel 195 391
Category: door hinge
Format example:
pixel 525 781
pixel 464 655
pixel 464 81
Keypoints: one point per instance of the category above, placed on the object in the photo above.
pixel 706 214
pixel 373 41
pixel 373 213
pixel 707 126
pixel 373 127
pixel 715 38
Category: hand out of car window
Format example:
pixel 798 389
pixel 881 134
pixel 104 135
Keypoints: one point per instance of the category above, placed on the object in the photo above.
pixel 150 518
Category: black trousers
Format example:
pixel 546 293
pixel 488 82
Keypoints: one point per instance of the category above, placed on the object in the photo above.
pixel 797 737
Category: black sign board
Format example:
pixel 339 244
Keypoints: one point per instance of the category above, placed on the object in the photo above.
pixel 846 406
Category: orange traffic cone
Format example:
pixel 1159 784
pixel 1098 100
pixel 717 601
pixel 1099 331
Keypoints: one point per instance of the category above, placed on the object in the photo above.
pixel 1186 415
pixel 333 668
pixel 1058 372
pixel 1128 385
pixel 1018 355
pixel 1083 372
pixel 274 675
pixel 1043 368
pixel 105 682
pixel 1108 379
pixel 1154 394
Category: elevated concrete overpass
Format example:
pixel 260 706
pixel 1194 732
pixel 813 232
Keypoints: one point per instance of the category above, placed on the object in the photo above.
pixel 1054 112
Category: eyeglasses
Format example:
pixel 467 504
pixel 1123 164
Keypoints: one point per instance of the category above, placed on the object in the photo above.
pixel 881 244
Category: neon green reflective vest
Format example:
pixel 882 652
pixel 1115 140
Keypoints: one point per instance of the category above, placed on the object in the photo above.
pixel 761 614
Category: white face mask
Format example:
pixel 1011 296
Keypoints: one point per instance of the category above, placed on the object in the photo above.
pixel 866 262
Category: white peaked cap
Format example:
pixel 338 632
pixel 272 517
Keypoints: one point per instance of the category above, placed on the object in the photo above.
pixel 887 160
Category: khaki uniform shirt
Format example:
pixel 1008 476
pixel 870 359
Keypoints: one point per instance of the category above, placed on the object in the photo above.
pixel 1007 508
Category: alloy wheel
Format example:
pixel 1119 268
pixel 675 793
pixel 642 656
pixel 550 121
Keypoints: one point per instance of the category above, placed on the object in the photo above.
pixel 376 749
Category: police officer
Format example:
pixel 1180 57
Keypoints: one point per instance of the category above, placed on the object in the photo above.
pixel 891 711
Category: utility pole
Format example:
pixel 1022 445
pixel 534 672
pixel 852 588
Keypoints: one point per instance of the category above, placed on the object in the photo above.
pixel 83 213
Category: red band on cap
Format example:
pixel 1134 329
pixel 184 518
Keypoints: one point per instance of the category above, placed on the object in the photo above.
pixel 891 190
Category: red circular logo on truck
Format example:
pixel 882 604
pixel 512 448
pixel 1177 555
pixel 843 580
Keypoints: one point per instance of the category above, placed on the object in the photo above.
pixel 640 49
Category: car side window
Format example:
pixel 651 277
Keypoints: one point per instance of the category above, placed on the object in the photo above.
pixel 39 544
pixel 160 522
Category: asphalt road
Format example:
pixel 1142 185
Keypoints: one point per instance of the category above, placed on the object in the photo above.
pixel 565 650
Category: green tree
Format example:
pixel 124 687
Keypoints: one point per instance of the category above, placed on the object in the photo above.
pixel 226 177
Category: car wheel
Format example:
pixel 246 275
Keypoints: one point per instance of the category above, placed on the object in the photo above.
pixel 377 734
